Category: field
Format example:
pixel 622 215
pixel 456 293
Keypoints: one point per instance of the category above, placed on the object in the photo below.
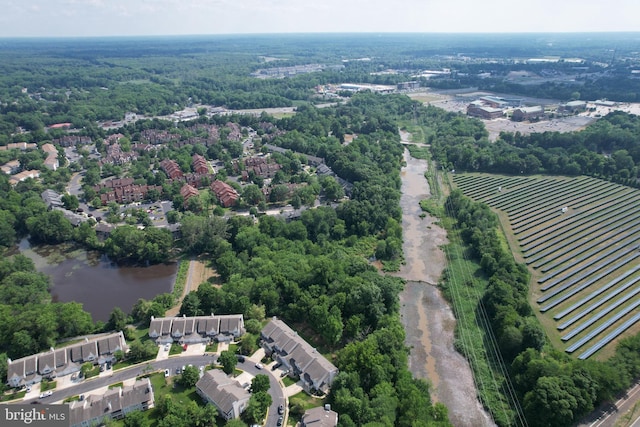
pixel 579 239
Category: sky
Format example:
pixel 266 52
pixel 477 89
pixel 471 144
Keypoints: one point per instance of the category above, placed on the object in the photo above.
pixel 88 18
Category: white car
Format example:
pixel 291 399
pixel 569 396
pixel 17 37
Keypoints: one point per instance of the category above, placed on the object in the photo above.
pixel 166 373
pixel 167 347
pixel 259 366
pixel 46 394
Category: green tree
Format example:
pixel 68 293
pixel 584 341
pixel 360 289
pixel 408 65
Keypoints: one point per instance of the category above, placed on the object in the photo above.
pixel 190 376
pixel 228 361
pixel 260 383
pixel 190 305
pixel 257 407
pixel 332 189
pixel 70 202
pixel 136 419
pixel 252 194
pixel 85 369
pixel 50 227
pixel 117 320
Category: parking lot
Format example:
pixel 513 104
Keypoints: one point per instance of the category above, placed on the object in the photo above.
pixel 458 103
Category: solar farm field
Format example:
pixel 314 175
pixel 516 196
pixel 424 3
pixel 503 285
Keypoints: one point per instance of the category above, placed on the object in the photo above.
pixel 580 238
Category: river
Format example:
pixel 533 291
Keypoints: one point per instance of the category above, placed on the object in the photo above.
pixel 90 278
pixel 428 320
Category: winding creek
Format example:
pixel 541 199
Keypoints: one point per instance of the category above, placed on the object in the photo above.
pixel 428 320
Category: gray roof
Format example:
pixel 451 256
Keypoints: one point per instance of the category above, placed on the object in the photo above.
pixel 57 360
pixel 110 344
pixel 51 198
pixel 314 367
pixel 177 327
pixel 222 390
pixel 114 400
pixel 319 417
pixel 529 110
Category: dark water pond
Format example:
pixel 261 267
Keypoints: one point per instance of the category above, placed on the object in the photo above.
pixel 90 278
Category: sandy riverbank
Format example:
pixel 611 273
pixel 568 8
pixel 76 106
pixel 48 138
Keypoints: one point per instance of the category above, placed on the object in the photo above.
pixel 428 320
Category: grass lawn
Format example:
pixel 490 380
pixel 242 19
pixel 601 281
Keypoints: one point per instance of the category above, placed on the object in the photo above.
pixel 287 381
pixel 298 403
pixel 13 396
pixel 463 285
pixel 48 385
pixel 93 372
pixel 212 348
pixel 175 349
pixel 167 386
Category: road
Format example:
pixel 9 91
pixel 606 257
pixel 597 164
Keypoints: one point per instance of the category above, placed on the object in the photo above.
pixel 610 415
pixel 276 391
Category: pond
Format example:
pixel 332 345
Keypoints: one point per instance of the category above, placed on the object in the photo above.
pixel 90 278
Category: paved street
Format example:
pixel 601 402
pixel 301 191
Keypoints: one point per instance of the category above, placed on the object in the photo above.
pixel 93 385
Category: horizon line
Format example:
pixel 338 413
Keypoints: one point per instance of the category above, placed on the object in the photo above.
pixel 351 33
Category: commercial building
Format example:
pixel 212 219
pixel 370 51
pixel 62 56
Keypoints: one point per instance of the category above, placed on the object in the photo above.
pixel 528 113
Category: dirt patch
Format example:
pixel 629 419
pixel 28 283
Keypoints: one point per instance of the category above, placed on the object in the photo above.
pixel 198 273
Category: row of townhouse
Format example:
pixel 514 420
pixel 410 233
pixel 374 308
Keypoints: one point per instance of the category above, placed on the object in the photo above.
pixel 171 168
pixel 284 345
pixel 23 146
pixel 128 193
pixel 116 156
pixel 154 136
pixel 226 194
pixel 73 140
pixel 231 399
pixel 64 361
pixel 51 162
pixel 200 164
pixel 187 192
pixel 19 177
pixel 115 404
pixel 295 354
pixel 198 329
pixel 225 393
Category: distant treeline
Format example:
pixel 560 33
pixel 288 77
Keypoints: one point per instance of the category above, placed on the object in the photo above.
pixel 607 149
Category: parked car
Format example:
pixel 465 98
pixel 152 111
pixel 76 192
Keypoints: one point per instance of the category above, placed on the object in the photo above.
pixel 167 347
pixel 281 409
pixel 276 366
pixel 46 394
pixel 280 420
pixel 259 365
pixel 240 358
pixel 166 373
pixel 284 373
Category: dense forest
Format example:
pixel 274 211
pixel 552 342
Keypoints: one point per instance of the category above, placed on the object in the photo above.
pixel 607 149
